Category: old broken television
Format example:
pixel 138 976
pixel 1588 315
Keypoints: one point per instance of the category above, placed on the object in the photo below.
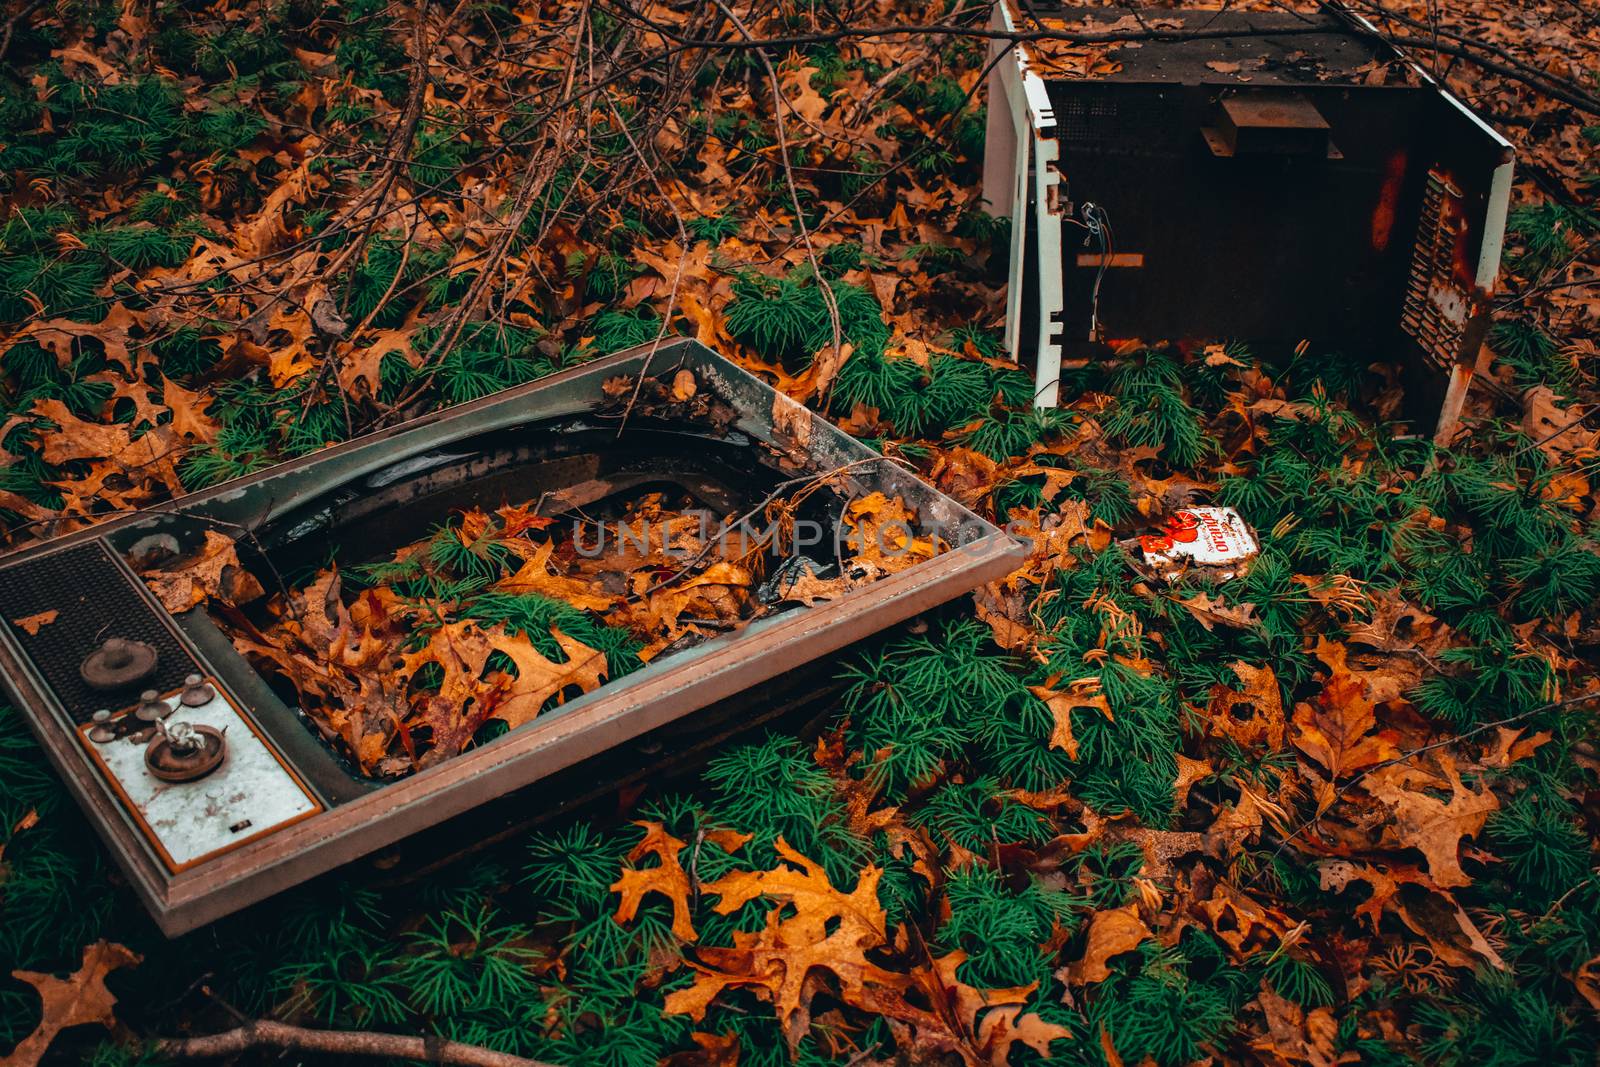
pixel 1276 175
pixel 278 804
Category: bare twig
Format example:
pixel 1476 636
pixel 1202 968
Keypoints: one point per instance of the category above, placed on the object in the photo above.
pixel 264 1033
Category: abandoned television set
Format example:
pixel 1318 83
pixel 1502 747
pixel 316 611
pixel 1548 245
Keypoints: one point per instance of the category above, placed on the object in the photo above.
pixel 199 765
pixel 1260 175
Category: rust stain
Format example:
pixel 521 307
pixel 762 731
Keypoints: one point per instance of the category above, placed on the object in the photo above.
pixel 1383 216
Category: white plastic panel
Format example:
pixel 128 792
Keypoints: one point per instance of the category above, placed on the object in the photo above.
pixel 250 794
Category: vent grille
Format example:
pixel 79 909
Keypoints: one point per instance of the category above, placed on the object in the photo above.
pixel 93 599
pixel 1087 119
pixel 1426 315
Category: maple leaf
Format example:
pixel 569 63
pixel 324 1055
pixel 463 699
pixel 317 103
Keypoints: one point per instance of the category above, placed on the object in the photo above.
pixel 80 998
pixel 667 878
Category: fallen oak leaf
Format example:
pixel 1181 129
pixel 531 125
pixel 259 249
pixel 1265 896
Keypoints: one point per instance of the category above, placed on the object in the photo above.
pixel 982 1026
pixel 366 364
pixel 212 572
pixel 540 679
pixel 667 878
pixel 537 575
pixel 32 624
pixel 1260 695
pixel 1210 613
pixel 828 931
pixel 189 418
pixel 1338 730
pixel 76 1000
pixel 1111 933
pixel 1080 694
pixel 1431 826
pixel 1452 936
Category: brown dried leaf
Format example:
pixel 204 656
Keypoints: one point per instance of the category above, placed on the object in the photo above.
pixel 1337 731
pixel 1431 826
pixel 1251 715
pixel 829 932
pixel 212 572
pixel 1062 704
pixel 32 624
pixel 189 418
pixel 667 878
pixel 539 679
pixel 80 998
pixel 1111 933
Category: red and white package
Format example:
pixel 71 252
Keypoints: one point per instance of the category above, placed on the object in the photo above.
pixel 1211 537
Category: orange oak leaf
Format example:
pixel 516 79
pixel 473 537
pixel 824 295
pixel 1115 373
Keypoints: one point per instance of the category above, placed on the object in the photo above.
pixel 32 624
pixel 537 576
pixel 1422 821
pixel 1211 613
pixel 213 571
pixel 1252 714
pixel 80 998
pixel 1111 933
pixel 1338 730
pixel 189 418
pixel 1384 883
pixel 667 878
pixel 1062 703
pixel 539 679
pixel 829 933
pixel 78 439
pixel 63 336
pixel 948 1016
pixel 365 364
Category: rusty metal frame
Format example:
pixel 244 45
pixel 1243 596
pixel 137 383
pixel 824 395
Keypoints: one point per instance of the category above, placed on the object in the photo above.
pixel 584 727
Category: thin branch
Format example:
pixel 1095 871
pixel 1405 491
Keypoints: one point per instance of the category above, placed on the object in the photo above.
pixel 264 1033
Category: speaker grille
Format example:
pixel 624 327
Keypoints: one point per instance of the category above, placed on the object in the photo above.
pixel 93 599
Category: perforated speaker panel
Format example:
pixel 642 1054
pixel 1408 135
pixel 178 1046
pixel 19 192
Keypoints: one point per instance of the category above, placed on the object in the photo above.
pixel 93 599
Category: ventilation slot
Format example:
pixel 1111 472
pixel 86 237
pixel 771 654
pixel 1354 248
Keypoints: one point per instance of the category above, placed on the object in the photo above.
pixel 93 599
pixel 1429 314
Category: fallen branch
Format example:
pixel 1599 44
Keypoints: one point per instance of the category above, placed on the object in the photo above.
pixel 264 1033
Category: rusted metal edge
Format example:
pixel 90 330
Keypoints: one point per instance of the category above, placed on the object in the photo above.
pixel 657 694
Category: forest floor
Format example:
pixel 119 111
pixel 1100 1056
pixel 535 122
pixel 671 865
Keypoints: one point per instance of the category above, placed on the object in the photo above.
pixel 1342 808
